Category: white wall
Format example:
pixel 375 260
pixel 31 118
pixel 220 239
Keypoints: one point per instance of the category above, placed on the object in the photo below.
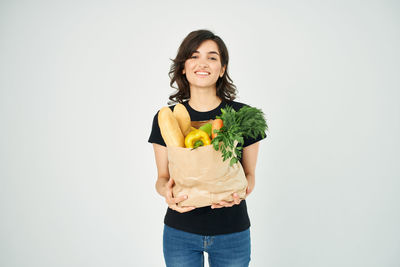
pixel 81 81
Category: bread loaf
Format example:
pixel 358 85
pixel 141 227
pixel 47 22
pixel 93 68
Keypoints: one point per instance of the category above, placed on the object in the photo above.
pixel 182 116
pixel 169 127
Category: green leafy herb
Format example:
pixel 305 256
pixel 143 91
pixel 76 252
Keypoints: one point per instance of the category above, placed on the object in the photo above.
pixel 246 122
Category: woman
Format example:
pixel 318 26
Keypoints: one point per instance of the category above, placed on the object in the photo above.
pixel 200 71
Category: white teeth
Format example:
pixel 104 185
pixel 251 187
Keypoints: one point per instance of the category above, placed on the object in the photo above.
pixel 202 73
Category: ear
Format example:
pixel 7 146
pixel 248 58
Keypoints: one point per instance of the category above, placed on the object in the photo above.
pixel 222 71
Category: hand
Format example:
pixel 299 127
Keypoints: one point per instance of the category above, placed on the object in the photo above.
pixel 221 204
pixel 250 186
pixel 172 201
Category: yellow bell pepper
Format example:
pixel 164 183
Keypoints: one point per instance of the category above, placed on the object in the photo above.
pixel 197 138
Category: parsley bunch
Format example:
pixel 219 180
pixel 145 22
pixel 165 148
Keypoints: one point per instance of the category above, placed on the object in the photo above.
pixel 246 122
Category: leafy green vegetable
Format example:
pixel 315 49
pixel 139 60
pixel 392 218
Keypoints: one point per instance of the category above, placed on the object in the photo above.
pixel 246 122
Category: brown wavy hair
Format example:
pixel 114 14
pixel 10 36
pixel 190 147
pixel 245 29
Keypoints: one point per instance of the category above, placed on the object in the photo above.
pixel 226 90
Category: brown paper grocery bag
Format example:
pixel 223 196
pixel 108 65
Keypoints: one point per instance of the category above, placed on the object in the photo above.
pixel 203 176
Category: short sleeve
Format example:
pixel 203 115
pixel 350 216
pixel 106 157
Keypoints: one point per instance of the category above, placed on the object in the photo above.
pixel 155 135
pixel 250 141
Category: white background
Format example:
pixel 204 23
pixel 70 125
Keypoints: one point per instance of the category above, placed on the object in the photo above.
pixel 80 82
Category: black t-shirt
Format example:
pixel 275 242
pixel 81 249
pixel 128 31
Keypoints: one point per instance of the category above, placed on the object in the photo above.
pixel 204 220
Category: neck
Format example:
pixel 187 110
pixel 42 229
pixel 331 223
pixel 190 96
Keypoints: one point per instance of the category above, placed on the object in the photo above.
pixel 204 100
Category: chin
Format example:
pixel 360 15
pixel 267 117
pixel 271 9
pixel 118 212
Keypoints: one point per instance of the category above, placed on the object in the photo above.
pixel 205 84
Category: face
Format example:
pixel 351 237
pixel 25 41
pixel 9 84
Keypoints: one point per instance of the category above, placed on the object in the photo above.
pixel 203 68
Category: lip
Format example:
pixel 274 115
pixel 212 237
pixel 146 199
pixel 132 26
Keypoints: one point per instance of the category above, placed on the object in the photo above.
pixel 202 75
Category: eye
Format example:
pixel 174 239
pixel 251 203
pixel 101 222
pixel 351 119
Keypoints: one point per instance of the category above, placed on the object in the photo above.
pixel 213 58
pixel 193 57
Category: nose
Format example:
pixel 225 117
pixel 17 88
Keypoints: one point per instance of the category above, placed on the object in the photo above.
pixel 203 62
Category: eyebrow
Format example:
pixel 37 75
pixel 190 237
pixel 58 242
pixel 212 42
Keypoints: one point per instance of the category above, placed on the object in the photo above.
pixel 211 52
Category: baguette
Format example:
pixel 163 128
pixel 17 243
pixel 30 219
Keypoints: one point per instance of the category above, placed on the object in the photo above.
pixel 169 127
pixel 182 116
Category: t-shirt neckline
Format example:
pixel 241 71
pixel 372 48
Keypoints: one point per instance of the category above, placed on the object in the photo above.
pixel 204 112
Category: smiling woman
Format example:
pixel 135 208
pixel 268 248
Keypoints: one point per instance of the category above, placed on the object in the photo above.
pixel 200 71
pixel 210 52
pixel 204 68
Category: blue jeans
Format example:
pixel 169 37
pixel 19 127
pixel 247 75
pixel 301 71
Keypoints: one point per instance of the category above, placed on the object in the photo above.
pixel 183 249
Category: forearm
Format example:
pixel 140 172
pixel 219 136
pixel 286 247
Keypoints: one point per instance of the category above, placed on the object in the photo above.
pixel 160 185
pixel 250 178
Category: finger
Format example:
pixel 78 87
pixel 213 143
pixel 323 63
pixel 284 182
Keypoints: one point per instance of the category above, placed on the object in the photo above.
pixel 179 199
pixel 171 182
pixel 168 195
pixel 226 204
pixel 236 198
pixel 216 205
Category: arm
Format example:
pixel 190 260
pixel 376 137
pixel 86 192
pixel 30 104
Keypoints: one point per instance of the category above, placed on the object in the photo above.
pixel 161 156
pixel 164 183
pixel 249 161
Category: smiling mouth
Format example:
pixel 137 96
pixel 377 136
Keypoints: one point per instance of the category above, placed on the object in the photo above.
pixel 202 73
